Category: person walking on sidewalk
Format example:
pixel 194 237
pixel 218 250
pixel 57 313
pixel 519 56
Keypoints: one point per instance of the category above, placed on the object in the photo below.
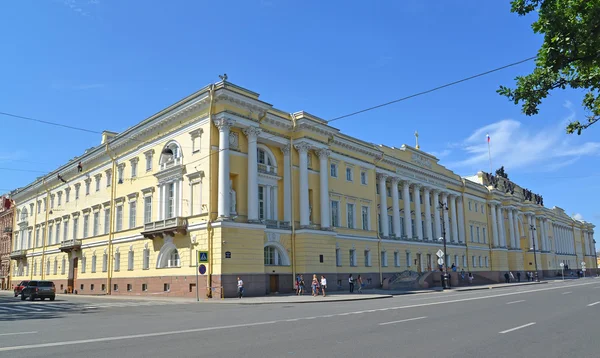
pixel 240 287
pixel 359 282
pixel 518 276
pixel 323 284
pixel 351 283
pixel 315 286
pixel 506 278
pixel 301 285
pixel 470 278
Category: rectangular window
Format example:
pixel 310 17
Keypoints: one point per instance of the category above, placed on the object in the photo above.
pixel 117 261
pixel 349 174
pixel 94 264
pixel 66 231
pixel 144 287
pixel 367 258
pixel 478 237
pixel 75 227
pixel 67 195
pixel 134 169
pixel 121 170
pixel 484 236
pixel 482 209
pixel 333 170
pixel 261 202
pixel 479 261
pixel 379 223
pixel 352 257
pixel 87 187
pixel 147 209
pixel 365 217
pixel 119 218
pixel 130 260
pixel 39 206
pixel 106 220
pixel 96 223
pixel 132 213
pixel 335 212
pixel 363 178
pixel 86 224
pixel 170 202
pixel 37 237
pixel 384 262
pixel 390 224
pixel 98 183
pixel 377 188
pixel 57 232
pixel 76 191
pixel 408 259
pixel 473 262
pixel 52 202
pixel 388 191
pixel 50 235
pixel 464 260
pixel 148 163
pixel 350 215
pixel 397 259
pixel 471 231
pixel 146 263
pixel 59 198
pixel 108 179
pixel 83 262
pixel 104 262
pixel 338 257
pixel 470 206
pixel 456 260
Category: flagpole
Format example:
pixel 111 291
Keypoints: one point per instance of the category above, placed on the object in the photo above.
pixel 489 153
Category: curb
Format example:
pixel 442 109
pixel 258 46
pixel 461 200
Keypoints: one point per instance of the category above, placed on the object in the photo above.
pixel 241 302
pixel 483 287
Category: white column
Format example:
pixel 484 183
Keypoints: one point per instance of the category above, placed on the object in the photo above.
pixel 461 219
pixel 303 149
pixel 556 239
pixel 395 207
pixel 267 199
pixel 511 229
pixel 161 202
pixel 501 231
pixel 175 201
pixel 426 198
pixel 516 225
pixel 383 205
pixel 543 224
pixel 418 220
pixel 287 185
pixel 275 204
pixel 436 215
pixel 445 213
pixel 252 134
pixel 494 225
pixel 324 183
pixel 454 218
pixel 407 217
pixel 223 185
pixel 180 197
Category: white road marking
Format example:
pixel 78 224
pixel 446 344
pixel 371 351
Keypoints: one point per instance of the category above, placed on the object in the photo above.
pixel 510 303
pixel 566 293
pixel 514 329
pixel 218 328
pixel 402 320
pixel 17 333
pixel 593 304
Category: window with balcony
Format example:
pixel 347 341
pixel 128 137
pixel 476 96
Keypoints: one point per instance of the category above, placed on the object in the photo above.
pixel 170 200
pixel 170 155
pixel 75 227
pixel 266 161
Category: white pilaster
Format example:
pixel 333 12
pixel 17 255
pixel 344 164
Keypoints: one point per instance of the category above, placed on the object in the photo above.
pixel 426 198
pixel 454 218
pixel 252 134
pixel 303 149
pixel 395 207
pixel 517 233
pixel 511 228
pixel 161 202
pixel 180 198
pixel 418 220
pixel 407 217
pixel 383 205
pixel 324 183
pixel 287 184
pixel 223 205
pixel 494 224
pixel 500 221
pixel 461 219
pixel 446 219
pixel 436 215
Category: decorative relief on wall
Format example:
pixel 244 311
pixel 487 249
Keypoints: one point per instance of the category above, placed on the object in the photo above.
pixel 421 160
pixel 234 140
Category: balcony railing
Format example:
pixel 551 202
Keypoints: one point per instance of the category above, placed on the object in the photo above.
pixel 170 163
pixel 18 254
pixel 275 224
pixel 70 245
pixel 169 226
pixel 268 169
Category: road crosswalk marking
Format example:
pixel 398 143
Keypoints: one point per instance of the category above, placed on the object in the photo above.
pixel 16 306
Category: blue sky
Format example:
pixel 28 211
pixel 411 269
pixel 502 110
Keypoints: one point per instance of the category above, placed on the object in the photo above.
pixel 107 64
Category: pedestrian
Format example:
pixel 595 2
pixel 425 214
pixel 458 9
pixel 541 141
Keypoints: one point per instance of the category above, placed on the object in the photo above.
pixel 314 285
pixel 506 278
pixel 297 285
pixel 360 283
pixel 512 277
pixel 453 267
pixel 462 274
pixel 351 283
pixel 518 276
pixel 240 287
pixel 323 284
pixel 301 284
pixel 470 278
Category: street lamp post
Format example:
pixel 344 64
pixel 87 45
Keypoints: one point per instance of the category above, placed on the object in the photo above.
pixel 445 278
pixel 532 227
pixel 595 257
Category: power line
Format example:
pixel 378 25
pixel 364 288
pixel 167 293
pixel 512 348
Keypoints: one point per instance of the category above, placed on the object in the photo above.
pixel 50 123
pixel 433 89
pixel 23 170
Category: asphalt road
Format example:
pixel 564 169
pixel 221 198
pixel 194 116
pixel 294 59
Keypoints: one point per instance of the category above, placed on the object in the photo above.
pixel 553 320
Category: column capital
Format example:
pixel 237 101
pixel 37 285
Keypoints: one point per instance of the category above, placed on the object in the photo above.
pixel 224 124
pixel 323 153
pixel 252 132
pixel 382 176
pixel 417 186
pixel 286 149
pixel 303 147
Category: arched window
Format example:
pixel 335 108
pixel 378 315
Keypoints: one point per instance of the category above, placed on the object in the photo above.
pixel 170 155
pixel 275 255
pixel 174 259
pixel 266 160
pixel 168 256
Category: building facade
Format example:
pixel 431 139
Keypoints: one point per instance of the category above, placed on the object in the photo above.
pixel 266 195
pixel 6 223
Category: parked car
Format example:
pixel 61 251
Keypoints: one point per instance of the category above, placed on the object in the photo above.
pixel 39 289
pixel 19 287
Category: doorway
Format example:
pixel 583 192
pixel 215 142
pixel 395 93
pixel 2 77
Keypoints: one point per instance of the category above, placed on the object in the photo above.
pixel 273 283
pixel 72 275
pixel 418 264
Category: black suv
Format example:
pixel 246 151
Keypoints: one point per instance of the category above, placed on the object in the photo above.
pixel 39 289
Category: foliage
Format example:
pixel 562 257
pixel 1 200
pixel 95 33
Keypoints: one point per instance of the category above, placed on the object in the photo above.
pixel 568 58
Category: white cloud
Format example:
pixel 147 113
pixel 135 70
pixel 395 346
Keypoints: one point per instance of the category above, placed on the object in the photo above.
pixel 441 154
pixel 577 216
pixel 516 147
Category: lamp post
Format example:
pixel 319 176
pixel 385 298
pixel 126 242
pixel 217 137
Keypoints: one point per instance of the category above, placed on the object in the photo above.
pixel 532 227
pixel 445 278
pixel 595 257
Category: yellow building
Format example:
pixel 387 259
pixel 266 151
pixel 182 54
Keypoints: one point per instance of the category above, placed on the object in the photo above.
pixel 268 195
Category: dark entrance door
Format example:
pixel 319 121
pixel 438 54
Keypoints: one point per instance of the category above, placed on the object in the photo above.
pixel 72 275
pixel 273 283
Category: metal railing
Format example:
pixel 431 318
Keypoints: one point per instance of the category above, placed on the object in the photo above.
pixel 171 163
pixel 275 224
pixel 18 253
pixel 268 169
pixel 70 243
pixel 176 222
